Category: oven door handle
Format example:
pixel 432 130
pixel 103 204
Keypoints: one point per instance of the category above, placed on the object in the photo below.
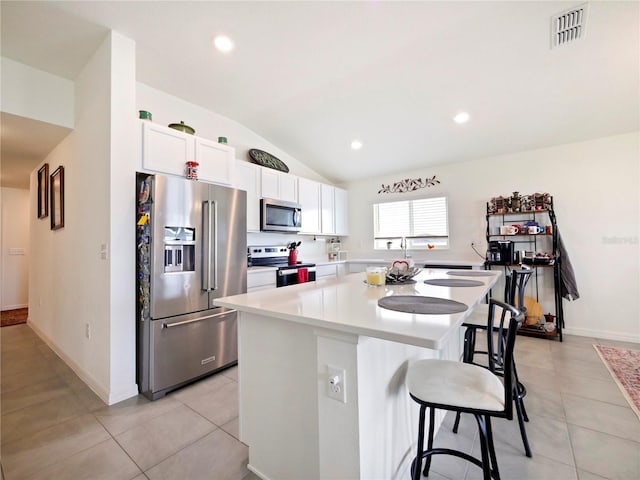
pixel 290 271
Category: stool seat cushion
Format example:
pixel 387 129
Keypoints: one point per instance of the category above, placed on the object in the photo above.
pixel 457 384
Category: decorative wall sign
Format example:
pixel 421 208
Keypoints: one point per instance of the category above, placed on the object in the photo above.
pixel 57 198
pixel 43 191
pixel 265 159
pixel 409 185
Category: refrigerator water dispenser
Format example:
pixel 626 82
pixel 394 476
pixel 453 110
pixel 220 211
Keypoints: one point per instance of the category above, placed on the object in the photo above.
pixel 179 249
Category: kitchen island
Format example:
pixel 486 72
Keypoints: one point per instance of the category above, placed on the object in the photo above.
pixel 294 340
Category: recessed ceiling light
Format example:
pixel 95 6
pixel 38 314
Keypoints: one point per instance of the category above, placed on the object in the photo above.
pixel 462 117
pixel 356 145
pixel 223 43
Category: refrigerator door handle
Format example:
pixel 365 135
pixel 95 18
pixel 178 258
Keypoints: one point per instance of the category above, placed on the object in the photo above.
pixel 199 319
pixel 206 246
pixel 213 241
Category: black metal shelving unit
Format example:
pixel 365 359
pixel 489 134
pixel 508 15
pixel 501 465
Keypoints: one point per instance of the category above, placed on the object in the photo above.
pixel 533 241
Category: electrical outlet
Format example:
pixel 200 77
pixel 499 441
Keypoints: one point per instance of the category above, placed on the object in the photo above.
pixel 87 331
pixel 336 384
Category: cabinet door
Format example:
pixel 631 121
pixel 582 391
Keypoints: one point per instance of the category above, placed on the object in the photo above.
pixel 279 185
pixel 216 161
pixel 165 150
pixel 247 179
pixel 341 212
pixel 269 182
pixel 328 206
pixel 326 271
pixel 288 187
pixel 309 198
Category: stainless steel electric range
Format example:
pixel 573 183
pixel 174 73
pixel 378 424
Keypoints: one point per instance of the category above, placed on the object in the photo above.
pixel 278 256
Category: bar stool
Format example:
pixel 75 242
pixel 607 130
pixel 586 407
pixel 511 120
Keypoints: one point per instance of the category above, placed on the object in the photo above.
pixel 467 388
pixel 515 284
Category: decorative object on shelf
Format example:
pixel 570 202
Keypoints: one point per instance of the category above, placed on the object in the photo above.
pixel 265 159
pixel 182 127
pixel 191 170
pixel 57 198
pixel 222 140
pixel 144 115
pixel 549 324
pixel 517 203
pixel 43 191
pixel 409 185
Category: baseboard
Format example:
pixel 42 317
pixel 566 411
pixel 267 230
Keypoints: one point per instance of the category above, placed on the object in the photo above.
pixel 603 334
pixel 98 389
pixel 15 307
pixel 253 469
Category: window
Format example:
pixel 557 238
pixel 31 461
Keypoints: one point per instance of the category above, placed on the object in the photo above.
pixel 413 224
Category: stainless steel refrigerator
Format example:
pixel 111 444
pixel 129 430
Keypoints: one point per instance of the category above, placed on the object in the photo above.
pixel 191 249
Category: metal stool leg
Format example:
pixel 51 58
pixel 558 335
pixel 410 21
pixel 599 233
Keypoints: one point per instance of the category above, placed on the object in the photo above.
pixel 432 421
pixel 523 432
pixel 417 462
pixel 484 447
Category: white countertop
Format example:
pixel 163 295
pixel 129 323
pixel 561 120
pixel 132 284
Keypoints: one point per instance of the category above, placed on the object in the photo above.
pixel 347 304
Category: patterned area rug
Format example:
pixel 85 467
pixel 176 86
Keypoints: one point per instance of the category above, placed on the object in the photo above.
pixel 624 366
pixel 13 317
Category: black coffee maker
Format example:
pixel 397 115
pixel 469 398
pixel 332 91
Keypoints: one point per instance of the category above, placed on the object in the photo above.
pixel 500 251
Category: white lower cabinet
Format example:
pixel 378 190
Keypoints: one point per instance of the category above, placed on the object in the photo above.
pixel 261 280
pixel 326 271
pixel 330 270
pixel 362 267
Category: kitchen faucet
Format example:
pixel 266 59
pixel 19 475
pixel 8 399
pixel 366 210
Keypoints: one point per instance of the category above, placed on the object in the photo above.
pixel 403 246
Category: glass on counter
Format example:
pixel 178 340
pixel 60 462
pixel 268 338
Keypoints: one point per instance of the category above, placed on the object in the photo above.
pixel 376 276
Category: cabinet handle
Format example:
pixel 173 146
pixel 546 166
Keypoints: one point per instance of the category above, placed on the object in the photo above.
pixel 199 319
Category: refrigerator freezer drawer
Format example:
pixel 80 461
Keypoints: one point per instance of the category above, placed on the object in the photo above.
pixel 185 349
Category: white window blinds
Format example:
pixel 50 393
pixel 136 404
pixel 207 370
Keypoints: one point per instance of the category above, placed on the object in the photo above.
pixel 423 220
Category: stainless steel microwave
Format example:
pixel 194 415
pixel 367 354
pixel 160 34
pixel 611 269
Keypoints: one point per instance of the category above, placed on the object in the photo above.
pixel 280 216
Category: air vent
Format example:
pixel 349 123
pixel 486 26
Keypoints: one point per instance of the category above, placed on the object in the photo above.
pixel 568 26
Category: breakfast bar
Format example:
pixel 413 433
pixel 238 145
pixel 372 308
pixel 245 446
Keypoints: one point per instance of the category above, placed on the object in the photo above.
pixel 322 367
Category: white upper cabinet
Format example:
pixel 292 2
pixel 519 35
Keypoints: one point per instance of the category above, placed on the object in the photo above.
pixel 166 150
pixel 215 161
pixel 278 185
pixel 247 177
pixel 309 198
pixel 341 211
pixel 328 209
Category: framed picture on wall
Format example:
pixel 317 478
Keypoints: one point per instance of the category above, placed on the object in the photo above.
pixel 43 191
pixel 57 198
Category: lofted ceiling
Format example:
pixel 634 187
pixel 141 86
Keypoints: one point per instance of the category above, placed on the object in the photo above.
pixel 312 76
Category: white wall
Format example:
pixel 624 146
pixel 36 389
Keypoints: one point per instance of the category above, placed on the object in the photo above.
pixel 14 242
pixel 595 185
pixel 167 109
pixel 70 285
pixel 32 93
pixel 124 135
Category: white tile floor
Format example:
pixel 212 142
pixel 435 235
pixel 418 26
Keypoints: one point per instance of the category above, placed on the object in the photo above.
pixel 54 427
